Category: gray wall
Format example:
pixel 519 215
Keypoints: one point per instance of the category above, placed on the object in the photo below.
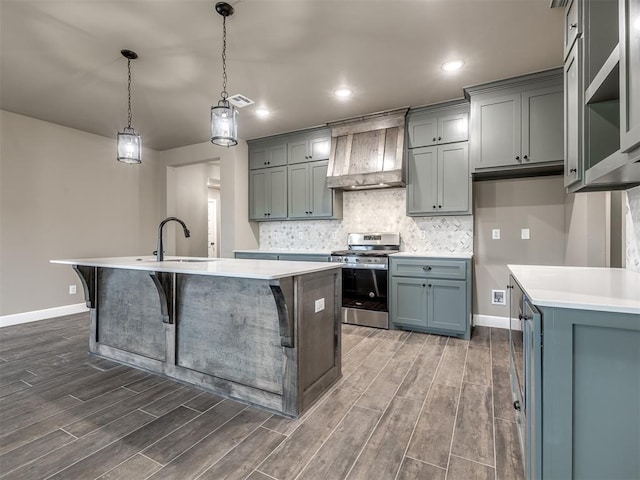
pixel 510 205
pixel 64 195
pixel 566 229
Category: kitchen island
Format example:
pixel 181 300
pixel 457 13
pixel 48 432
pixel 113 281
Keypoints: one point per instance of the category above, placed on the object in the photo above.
pixel 266 333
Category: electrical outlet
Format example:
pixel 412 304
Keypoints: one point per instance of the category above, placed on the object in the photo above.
pixel 423 235
pixel 498 297
pixel 524 234
pixel 72 290
pixel 495 234
pixel 300 235
pixel 319 305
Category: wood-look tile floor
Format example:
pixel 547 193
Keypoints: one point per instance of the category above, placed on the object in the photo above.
pixel 409 406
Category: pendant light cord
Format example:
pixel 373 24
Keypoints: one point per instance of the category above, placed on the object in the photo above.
pixel 129 89
pixel 224 93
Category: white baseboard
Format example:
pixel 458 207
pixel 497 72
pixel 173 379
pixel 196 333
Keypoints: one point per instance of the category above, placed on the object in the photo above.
pixel 495 322
pixel 26 317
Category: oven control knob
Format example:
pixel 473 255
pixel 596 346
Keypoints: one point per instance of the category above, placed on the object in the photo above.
pixel 345 259
pixel 371 294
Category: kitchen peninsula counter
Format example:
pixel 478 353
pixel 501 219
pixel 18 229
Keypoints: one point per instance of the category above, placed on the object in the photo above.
pixel 266 333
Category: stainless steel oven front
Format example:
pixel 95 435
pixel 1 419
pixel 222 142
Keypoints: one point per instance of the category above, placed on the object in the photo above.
pixel 364 292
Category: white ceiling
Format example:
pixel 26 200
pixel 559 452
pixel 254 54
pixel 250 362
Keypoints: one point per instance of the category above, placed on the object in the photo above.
pixel 60 59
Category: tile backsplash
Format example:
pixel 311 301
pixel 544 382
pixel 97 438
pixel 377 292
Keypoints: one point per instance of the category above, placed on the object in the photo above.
pixel 382 210
pixel 633 229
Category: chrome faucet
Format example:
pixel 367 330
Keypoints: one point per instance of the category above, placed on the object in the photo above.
pixel 160 252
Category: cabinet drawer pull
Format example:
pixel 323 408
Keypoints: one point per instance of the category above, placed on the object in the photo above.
pixel 426 268
pixel 573 25
pixel 516 405
pixel 573 170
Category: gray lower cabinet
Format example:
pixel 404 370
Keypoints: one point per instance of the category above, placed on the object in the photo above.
pixel 308 193
pixel 517 124
pixel 296 257
pixel 430 294
pixel 439 181
pixel 580 409
pixel 268 193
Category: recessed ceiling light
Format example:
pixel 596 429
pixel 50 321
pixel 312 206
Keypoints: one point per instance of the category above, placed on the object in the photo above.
pixel 262 112
pixel 343 92
pixel 452 65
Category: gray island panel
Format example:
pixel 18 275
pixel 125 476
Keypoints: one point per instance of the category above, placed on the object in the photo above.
pixel 270 339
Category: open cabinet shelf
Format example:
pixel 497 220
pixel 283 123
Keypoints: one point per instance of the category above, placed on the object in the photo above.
pixel 606 84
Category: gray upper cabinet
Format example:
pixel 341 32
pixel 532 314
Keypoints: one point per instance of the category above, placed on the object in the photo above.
pixel 309 195
pixel 264 155
pixel 297 188
pixel 572 25
pixel 496 139
pixel 268 194
pixel 630 78
pixel 602 96
pixel 439 181
pixel 309 147
pixel 573 115
pixel 517 124
pixel 437 126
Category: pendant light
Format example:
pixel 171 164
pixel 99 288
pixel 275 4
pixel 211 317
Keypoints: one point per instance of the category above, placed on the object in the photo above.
pixel 129 142
pixel 224 117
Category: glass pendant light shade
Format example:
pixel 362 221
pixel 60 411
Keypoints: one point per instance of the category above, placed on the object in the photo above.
pixel 129 146
pixel 224 124
pixel 129 142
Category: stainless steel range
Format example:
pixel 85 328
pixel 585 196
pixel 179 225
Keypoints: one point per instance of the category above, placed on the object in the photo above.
pixel 365 277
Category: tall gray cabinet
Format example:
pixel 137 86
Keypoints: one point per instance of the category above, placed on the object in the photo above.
pixel 438 174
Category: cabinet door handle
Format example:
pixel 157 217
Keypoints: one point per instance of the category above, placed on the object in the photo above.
pixel 439 206
pixel 573 25
pixel 439 138
pixel 518 157
pixel 426 268
pixel 573 170
pixel 429 285
pixel 424 285
pixel 434 139
pixel 434 207
pixel 526 157
pixel 516 405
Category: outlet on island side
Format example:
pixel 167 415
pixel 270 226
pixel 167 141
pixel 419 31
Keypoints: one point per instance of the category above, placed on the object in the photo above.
pixel 72 290
pixel 319 305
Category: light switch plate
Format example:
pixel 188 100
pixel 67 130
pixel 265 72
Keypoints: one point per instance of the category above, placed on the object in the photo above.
pixel 495 234
pixel 319 305
pixel 423 234
pixel 524 234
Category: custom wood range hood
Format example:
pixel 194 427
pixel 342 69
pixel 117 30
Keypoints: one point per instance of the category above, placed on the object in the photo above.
pixel 367 152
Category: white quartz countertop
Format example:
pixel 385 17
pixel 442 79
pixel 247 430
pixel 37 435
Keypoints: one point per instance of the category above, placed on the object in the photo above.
pixel 432 255
pixel 286 250
pixel 221 267
pixel 583 288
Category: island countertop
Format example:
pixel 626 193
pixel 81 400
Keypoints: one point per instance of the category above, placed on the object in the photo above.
pixel 582 288
pixel 221 267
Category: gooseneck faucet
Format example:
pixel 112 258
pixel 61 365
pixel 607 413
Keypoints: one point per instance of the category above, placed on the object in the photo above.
pixel 160 252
